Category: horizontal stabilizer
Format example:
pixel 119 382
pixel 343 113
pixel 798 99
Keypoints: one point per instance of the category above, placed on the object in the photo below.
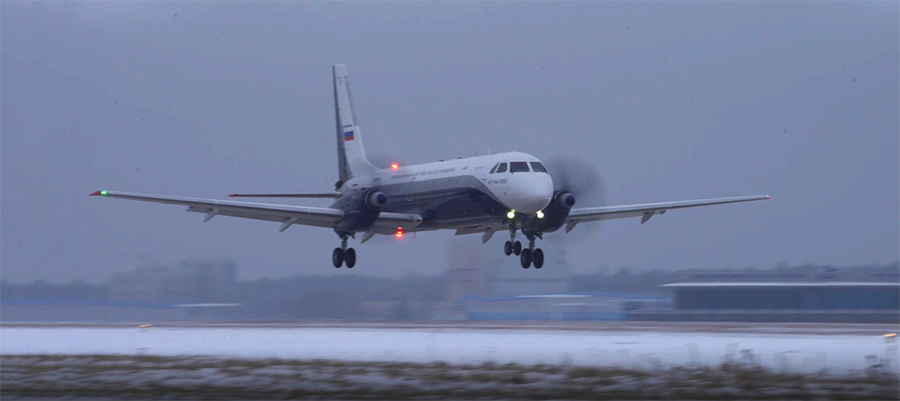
pixel 332 195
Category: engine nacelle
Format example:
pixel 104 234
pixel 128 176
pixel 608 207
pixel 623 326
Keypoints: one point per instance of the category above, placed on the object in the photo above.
pixel 375 200
pixel 564 200
pixel 555 214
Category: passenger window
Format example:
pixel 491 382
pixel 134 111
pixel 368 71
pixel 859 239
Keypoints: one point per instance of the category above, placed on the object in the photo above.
pixel 518 167
pixel 501 168
pixel 495 168
pixel 538 167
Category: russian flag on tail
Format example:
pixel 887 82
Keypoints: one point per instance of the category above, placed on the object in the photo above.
pixel 348 136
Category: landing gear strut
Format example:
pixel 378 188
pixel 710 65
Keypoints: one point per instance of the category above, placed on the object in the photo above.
pixel 343 255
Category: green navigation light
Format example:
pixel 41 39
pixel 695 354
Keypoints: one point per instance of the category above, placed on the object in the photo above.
pixel 103 193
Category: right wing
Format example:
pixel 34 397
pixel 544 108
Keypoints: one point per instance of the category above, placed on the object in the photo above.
pixel 285 214
pixel 646 210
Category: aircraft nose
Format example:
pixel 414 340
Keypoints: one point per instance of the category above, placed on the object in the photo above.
pixel 532 193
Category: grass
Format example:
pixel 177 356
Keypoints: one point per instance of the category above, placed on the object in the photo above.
pixel 188 377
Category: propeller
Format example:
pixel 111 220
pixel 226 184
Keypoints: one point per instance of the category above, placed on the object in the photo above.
pixel 580 178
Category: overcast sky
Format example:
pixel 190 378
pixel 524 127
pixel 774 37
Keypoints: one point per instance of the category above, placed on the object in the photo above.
pixel 670 101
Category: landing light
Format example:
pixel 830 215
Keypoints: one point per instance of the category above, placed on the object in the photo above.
pixel 394 166
pixel 511 214
pixel 540 214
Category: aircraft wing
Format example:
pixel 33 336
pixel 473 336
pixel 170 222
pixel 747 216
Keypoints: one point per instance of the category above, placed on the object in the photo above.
pixel 285 214
pixel 647 210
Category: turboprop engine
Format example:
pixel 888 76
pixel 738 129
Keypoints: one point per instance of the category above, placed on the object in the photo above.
pixel 555 214
pixel 574 180
pixel 375 200
pixel 360 209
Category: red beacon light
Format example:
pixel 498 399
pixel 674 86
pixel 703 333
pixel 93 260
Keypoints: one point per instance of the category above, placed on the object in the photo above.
pixel 399 233
pixel 395 166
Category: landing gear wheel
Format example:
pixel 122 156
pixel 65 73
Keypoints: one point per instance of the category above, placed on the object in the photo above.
pixel 350 258
pixel 537 257
pixel 525 258
pixel 337 257
pixel 508 248
pixel 517 248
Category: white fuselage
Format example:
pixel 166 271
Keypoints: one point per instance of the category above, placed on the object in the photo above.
pixel 457 189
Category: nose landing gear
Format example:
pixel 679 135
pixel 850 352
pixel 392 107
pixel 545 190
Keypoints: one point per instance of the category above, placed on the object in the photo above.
pixel 512 246
pixel 343 255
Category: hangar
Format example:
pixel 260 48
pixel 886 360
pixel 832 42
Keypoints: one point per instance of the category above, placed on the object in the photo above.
pixel 781 302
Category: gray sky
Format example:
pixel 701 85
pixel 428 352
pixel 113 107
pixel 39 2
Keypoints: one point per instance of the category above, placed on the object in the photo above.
pixel 671 101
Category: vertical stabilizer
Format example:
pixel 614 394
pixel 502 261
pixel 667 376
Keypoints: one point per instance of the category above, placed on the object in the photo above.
pixel 351 155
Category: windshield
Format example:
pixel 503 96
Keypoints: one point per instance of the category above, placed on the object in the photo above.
pixel 518 167
pixel 538 167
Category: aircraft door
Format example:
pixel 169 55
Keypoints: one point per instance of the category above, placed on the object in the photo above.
pixel 410 189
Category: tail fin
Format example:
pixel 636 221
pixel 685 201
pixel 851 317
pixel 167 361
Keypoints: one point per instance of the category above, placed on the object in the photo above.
pixel 352 159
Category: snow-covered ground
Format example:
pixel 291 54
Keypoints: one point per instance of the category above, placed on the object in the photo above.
pixel 806 352
pixel 410 361
pixel 154 377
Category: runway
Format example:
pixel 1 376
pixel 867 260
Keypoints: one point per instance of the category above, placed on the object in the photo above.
pixel 604 326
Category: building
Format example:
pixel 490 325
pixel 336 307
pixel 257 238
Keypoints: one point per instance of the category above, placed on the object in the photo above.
pixel 888 273
pixel 561 306
pixel 187 282
pixel 835 302
pixel 202 290
pixel 478 270
pixel 484 284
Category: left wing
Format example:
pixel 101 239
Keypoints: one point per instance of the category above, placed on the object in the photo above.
pixel 647 210
pixel 285 214
pixel 330 195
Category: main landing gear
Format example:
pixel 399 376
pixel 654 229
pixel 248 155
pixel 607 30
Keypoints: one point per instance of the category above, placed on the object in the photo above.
pixel 527 256
pixel 343 255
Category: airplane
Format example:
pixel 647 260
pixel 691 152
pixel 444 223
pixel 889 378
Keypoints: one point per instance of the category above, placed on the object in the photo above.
pixel 511 192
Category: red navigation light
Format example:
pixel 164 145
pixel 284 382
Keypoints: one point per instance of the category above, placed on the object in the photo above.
pixel 395 166
pixel 399 233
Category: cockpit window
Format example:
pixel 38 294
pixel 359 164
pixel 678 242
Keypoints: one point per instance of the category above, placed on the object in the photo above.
pixel 538 167
pixel 494 169
pixel 518 167
pixel 502 168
